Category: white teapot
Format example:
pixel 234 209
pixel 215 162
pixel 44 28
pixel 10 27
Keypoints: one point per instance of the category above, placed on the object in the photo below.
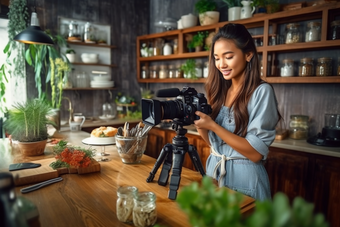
pixel 247 11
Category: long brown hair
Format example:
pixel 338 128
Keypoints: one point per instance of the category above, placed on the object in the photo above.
pixel 217 87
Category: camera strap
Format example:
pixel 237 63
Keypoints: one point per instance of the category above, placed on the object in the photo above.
pixel 220 164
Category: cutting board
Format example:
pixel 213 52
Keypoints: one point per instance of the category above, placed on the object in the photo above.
pixel 45 172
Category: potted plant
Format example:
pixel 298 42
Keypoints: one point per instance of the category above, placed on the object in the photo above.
pixel 27 123
pixel 208 205
pixel 234 9
pixel 188 69
pixel 198 40
pixel 71 55
pixel 260 6
pixel 207 12
pixel 272 6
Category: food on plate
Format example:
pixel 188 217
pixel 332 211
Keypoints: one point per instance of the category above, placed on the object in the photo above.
pixel 104 131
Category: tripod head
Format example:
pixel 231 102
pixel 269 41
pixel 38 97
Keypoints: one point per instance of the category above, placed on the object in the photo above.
pixel 178 127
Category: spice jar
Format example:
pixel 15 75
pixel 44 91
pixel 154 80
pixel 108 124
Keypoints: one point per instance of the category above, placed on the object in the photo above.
pixel 298 127
pixel 335 25
pixel 145 72
pixel 167 49
pixel 198 69
pixel 293 34
pixel 163 72
pixel 144 210
pixel 306 67
pixel 179 73
pixel 287 68
pixel 313 32
pixel 324 67
pixel 172 71
pixel 206 69
pixel 125 203
pixel 154 72
pixel 89 36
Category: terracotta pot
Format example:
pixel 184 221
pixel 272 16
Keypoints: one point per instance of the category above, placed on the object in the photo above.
pixel 32 148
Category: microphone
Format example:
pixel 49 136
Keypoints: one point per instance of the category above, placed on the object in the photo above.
pixel 169 92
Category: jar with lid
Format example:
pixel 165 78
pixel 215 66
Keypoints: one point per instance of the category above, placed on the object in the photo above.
pixel 125 203
pixel 167 49
pixel 82 80
pixel 324 67
pixel 306 67
pixel 89 35
pixel 313 32
pixel 163 72
pixel 293 34
pixel 335 25
pixel 287 68
pixel 179 72
pixel 145 72
pixel 172 71
pixel 73 32
pixel 154 72
pixel 298 127
pixel 206 69
pixel 198 69
pixel 144 210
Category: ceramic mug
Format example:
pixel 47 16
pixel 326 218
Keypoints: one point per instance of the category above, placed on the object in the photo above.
pixel 76 126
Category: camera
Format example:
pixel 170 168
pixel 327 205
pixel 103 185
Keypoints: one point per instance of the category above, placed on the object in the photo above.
pixel 181 110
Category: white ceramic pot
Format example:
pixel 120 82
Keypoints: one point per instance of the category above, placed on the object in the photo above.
pixel 189 20
pixel 209 17
pixel 89 58
pixel 234 13
pixel 247 10
pixel 71 57
pixel 179 24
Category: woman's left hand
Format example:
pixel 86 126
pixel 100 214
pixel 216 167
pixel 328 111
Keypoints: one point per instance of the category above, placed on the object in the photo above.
pixel 205 121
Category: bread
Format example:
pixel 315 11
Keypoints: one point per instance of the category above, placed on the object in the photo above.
pixel 104 131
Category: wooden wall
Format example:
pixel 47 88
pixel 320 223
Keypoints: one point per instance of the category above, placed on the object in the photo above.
pixel 130 18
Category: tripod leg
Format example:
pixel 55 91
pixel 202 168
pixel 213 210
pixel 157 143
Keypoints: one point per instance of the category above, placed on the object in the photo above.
pixel 195 158
pixel 178 158
pixel 164 175
pixel 159 161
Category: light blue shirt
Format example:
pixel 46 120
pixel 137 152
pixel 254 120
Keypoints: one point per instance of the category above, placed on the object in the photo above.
pixel 242 174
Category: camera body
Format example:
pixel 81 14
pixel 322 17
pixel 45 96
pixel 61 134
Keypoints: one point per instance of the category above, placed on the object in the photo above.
pixel 182 109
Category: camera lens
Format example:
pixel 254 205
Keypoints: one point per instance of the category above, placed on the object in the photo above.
pixel 172 109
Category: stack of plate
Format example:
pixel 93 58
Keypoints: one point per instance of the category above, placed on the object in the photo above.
pixel 101 80
pixel 102 84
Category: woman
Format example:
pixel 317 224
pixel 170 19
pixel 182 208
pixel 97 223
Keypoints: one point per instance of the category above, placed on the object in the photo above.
pixel 242 124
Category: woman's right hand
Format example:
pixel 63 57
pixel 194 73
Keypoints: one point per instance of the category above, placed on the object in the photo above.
pixel 205 121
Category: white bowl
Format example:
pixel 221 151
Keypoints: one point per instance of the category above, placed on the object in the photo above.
pixel 99 84
pixel 89 58
pixel 101 78
pixel 189 20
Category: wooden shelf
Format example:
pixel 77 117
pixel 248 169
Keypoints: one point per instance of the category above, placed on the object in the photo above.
pixel 92 44
pixel 269 23
pixel 94 64
pixel 88 89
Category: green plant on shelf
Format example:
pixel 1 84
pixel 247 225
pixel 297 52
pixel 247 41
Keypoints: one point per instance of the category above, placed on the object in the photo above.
pixel 203 6
pixel 189 69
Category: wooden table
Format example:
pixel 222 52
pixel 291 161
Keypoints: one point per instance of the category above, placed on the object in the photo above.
pixel 90 199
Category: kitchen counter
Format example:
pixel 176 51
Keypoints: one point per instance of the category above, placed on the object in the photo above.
pixel 90 199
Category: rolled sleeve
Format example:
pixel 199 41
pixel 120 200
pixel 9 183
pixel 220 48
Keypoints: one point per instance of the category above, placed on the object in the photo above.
pixel 263 117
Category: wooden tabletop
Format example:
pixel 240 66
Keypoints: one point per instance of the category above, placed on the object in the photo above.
pixel 90 199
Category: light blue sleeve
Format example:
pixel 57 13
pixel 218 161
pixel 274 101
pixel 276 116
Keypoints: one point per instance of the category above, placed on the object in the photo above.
pixel 263 117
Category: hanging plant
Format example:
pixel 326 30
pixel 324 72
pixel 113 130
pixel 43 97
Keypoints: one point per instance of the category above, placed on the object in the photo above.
pixel 15 51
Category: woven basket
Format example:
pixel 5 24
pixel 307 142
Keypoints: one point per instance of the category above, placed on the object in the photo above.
pixel 32 148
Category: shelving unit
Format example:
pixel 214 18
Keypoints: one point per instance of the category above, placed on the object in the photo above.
pixel 264 27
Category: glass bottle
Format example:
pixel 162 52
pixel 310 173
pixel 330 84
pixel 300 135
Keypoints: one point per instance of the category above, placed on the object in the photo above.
pixel 145 72
pixel 144 210
pixel 154 72
pixel 306 67
pixel 89 36
pixel 335 25
pixel 298 127
pixel 324 67
pixel 172 71
pixel 125 203
pixel 179 73
pixel 206 69
pixel 287 68
pixel 175 46
pixel 313 32
pixel 293 34
pixel 167 49
pixel 163 72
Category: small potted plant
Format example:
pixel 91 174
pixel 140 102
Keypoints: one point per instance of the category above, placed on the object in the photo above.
pixel 71 55
pixel 27 123
pixel 198 40
pixel 234 9
pixel 272 6
pixel 189 69
pixel 207 12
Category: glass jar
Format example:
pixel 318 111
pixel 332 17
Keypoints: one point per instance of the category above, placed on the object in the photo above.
pixel 313 32
pixel 179 73
pixel 324 67
pixel 82 80
pixel 293 34
pixel 198 69
pixel 125 203
pixel 175 46
pixel 73 32
pixel 335 25
pixel 89 35
pixel 144 210
pixel 287 68
pixel 144 50
pixel 145 72
pixel 306 67
pixel 206 69
pixel 298 127
pixel 167 49
pixel 172 71
pixel 154 72
pixel 163 72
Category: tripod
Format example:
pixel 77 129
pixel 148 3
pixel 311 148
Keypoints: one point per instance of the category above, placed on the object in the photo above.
pixel 173 156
